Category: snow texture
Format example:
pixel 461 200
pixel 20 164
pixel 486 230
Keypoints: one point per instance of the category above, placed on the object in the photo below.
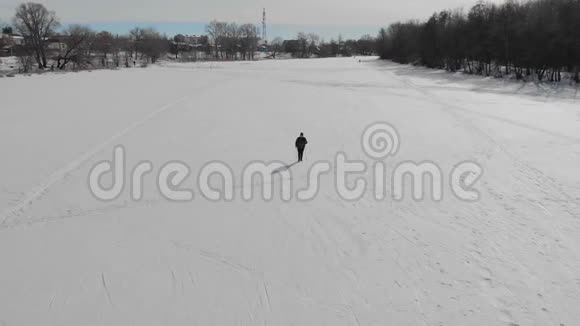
pixel 511 258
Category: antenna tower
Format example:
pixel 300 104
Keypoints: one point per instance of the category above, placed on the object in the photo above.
pixel 264 32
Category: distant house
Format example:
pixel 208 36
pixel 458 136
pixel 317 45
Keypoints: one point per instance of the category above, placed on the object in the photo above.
pixel 57 43
pixel 14 39
pixel 7 50
pixel 11 44
pixel 191 40
pixel 189 43
pixel 17 39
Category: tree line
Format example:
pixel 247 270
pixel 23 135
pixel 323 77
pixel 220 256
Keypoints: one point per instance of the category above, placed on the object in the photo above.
pixel 48 45
pixel 307 45
pixel 78 44
pixel 231 41
pixel 537 39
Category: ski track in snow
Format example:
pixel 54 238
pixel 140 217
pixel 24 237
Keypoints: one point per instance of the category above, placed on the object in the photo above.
pixel 38 191
pixel 60 174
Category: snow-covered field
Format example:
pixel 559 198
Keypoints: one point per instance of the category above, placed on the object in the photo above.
pixel 66 258
pixel 9 64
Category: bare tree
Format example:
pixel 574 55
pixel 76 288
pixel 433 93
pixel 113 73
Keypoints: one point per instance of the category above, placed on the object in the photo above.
pixel 276 46
pixel 136 35
pixel 302 44
pixel 103 43
pixel 77 40
pixel 37 25
pixel 26 63
pixel 365 45
pixel 313 42
pixel 249 41
pixel 231 42
pixel 216 31
pixel 152 44
pixel 121 43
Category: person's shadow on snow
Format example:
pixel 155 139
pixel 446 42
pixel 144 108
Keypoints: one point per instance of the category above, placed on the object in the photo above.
pixel 284 168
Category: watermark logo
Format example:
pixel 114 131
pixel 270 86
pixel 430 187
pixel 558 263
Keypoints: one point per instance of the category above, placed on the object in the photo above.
pixel 381 142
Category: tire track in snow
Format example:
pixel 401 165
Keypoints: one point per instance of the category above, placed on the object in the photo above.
pixel 266 295
pixel 104 284
pixel 60 174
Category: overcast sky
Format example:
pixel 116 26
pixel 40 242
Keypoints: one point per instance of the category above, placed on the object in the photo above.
pixel 341 13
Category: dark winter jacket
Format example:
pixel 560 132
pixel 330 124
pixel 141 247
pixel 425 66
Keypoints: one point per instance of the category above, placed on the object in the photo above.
pixel 301 142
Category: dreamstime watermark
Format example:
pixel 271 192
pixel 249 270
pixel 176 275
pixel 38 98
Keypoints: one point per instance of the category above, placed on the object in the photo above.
pixel 379 141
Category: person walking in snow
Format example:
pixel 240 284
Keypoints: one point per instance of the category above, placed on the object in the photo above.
pixel 300 146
